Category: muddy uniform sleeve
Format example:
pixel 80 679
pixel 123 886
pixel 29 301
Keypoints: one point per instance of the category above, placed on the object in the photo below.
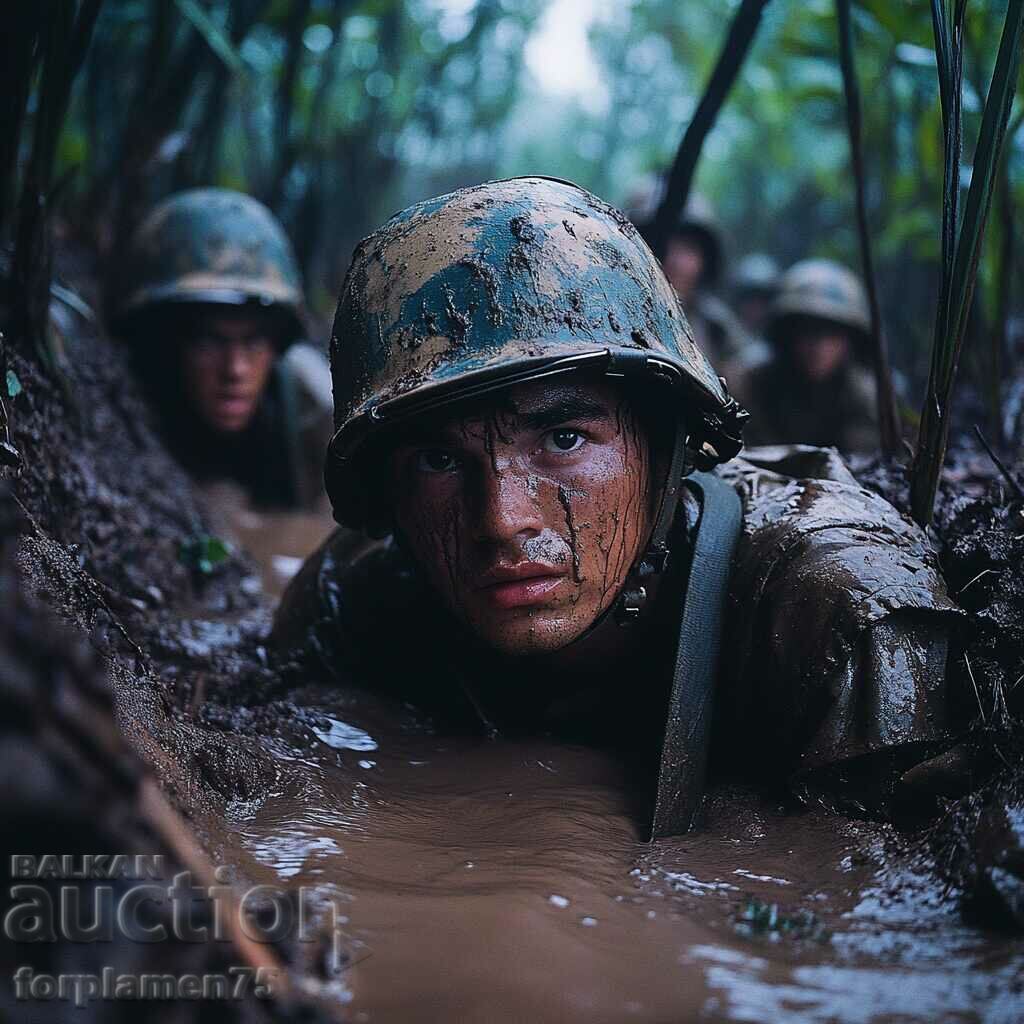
pixel 316 623
pixel 839 623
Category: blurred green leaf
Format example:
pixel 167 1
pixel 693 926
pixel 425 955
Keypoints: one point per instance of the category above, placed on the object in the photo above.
pixel 212 33
pixel 203 553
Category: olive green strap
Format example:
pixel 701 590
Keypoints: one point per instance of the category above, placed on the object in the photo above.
pixel 685 748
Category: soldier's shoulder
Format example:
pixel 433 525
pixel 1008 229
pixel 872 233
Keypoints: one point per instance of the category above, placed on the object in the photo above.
pixel 804 512
pixel 763 469
pixel 733 338
pixel 861 386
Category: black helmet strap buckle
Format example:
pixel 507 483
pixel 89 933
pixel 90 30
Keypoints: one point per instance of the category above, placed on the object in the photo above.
pixel 657 555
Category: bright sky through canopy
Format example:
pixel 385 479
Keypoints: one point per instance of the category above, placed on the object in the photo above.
pixel 558 53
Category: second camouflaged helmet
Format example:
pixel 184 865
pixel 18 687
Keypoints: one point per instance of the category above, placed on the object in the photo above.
pixel 503 283
pixel 824 290
pixel 210 246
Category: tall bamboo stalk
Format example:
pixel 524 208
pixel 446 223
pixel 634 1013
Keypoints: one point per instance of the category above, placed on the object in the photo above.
pixel 64 36
pixel 888 421
pixel 998 339
pixel 734 51
pixel 961 249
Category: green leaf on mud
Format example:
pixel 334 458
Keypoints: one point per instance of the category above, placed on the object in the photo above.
pixel 203 552
pixel 13 385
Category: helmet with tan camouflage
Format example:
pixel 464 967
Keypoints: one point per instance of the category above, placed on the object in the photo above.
pixel 824 290
pixel 503 283
pixel 210 246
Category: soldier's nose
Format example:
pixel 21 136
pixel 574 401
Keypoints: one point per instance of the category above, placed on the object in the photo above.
pixel 507 506
pixel 236 359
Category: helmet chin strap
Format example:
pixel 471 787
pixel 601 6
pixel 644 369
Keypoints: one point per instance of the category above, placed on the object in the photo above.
pixel 656 557
pixel 628 607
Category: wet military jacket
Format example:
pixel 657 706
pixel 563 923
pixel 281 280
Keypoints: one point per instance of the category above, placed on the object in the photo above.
pixel 841 412
pixel 836 638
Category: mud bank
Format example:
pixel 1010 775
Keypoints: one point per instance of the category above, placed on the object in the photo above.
pixel 975 793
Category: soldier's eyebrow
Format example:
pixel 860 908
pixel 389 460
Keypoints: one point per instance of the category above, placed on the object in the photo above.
pixel 563 409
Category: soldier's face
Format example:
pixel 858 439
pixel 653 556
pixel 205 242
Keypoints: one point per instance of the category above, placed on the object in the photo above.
pixel 226 362
pixel 820 351
pixel 527 517
pixel 684 265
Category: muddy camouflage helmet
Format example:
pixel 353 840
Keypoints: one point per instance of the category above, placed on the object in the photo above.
pixel 501 283
pixel 821 289
pixel 211 246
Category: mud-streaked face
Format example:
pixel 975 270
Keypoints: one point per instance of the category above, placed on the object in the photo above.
pixel 527 516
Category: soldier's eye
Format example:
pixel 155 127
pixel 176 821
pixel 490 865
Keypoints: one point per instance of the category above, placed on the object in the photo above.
pixel 435 460
pixel 563 440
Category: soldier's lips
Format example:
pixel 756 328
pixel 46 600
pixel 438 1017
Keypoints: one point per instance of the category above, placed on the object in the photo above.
pixel 521 586
pixel 233 408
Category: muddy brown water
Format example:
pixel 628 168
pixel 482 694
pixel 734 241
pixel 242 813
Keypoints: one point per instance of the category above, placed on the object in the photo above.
pixel 493 880
pixel 277 541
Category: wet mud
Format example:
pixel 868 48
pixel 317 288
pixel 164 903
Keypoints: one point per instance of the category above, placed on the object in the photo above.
pixel 974 793
pixel 278 542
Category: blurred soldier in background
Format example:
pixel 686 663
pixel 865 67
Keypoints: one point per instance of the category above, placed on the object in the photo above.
pixel 814 388
pixel 755 283
pixel 211 305
pixel 694 264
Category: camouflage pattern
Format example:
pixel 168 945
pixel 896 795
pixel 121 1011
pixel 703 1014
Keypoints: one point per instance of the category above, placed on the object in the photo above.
pixel 211 245
pixel 501 282
pixel 821 288
pixel 757 272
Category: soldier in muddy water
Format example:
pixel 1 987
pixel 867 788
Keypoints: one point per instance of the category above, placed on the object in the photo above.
pixel 815 386
pixel 549 528
pixel 210 303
